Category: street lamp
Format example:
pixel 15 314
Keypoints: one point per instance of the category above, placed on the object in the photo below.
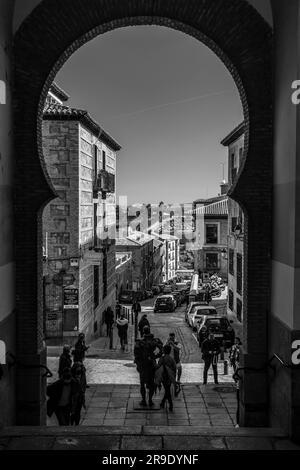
pixel 224 253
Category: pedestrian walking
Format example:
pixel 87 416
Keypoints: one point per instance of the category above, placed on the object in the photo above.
pixel 118 309
pixel 234 353
pixel 136 307
pixel 146 351
pixel 63 398
pixel 122 325
pixel 210 351
pixel 176 351
pixel 143 322
pixel 166 374
pixel 109 320
pixel 80 348
pixel 78 372
pixel 65 360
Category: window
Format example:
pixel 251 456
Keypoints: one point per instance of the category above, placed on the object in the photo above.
pixel 230 300
pixel 59 251
pixel 239 274
pixel 96 286
pixel 212 261
pixel 239 309
pixel 60 224
pixel 59 238
pixel 56 209
pixel 231 261
pixel 234 222
pixel 211 233
pixel 103 160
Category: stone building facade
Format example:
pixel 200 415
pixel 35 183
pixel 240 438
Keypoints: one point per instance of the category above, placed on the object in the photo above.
pixel 234 142
pixel 78 226
pixel 141 247
pixel 211 228
pixel 123 272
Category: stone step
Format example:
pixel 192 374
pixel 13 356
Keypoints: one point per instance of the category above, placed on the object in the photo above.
pixel 220 431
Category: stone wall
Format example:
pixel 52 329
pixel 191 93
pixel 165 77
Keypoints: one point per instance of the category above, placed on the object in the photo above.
pixel 7 267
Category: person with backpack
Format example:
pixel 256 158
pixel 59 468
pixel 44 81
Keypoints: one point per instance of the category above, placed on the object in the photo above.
pixel 64 395
pixel 80 348
pixel 65 360
pixel 122 325
pixel 79 375
pixel 175 353
pixel 166 374
pixel 143 322
pixel 146 351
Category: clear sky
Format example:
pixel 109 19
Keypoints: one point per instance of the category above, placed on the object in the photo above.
pixel 167 99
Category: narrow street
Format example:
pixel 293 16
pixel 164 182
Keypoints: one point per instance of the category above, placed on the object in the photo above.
pixel 113 366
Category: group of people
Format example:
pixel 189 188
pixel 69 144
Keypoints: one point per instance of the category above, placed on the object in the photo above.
pixel 158 365
pixel 67 394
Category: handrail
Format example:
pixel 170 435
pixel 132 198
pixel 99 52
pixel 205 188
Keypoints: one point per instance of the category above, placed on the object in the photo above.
pixel 16 362
pixel 265 367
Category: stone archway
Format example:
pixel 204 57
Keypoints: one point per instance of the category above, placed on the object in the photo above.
pixel 243 41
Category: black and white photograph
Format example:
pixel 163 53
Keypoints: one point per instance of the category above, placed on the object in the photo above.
pixel 149 229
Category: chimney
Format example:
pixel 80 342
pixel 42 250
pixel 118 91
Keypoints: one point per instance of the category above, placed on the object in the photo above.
pixel 224 187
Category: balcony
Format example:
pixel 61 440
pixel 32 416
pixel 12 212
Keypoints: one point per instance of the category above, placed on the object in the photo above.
pixel 104 182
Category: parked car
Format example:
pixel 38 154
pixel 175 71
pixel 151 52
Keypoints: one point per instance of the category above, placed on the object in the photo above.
pixel 164 303
pixel 199 312
pixel 192 308
pixel 221 327
pixel 128 296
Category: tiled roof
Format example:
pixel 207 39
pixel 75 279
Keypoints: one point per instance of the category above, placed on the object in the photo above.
pixel 60 112
pixel 59 92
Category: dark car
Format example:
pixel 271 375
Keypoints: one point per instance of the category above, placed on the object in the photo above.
pixel 164 303
pixel 220 326
pixel 129 296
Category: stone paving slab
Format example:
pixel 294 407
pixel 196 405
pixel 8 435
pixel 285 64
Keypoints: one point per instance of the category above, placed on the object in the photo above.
pixel 193 443
pixel 141 443
pixel 108 405
pixel 248 443
pixel 91 443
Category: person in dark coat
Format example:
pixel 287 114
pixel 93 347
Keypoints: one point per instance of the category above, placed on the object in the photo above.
pixel 118 309
pixel 65 360
pixel 79 374
pixel 122 325
pixel 168 376
pixel 63 398
pixel 146 351
pixel 143 322
pixel 210 351
pixel 136 307
pixel 109 320
pixel 80 348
